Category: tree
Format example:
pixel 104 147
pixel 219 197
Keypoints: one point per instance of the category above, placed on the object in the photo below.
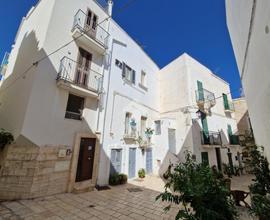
pixel 201 193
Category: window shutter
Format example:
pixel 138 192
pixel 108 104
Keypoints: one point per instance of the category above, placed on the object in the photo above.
pixel 200 91
pixel 226 103
pixel 133 76
pixel 205 127
pixel 124 70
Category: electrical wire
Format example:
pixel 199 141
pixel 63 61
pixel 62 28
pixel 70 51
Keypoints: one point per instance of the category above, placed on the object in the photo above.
pixel 128 4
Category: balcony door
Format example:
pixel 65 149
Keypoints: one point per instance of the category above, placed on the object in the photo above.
pixel 91 23
pixel 83 67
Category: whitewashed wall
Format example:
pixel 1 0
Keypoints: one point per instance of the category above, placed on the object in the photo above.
pixel 255 77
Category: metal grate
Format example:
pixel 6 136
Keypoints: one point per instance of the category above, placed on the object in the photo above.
pixel 134 189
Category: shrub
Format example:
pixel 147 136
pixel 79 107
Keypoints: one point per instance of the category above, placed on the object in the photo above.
pixel 122 178
pixel 260 189
pixel 202 194
pixel 5 138
pixel 117 179
pixel 141 173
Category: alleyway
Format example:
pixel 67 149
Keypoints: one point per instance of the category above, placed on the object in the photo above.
pixel 123 202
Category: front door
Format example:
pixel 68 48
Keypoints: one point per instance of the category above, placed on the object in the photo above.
pixel 205 158
pixel 149 161
pixel 218 155
pixel 116 161
pixel 86 159
pixel 83 67
pixel 132 163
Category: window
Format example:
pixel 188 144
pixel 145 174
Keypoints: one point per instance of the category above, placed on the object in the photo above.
pixel 128 74
pixel 75 107
pixel 143 125
pixel 143 78
pixel 118 63
pixel 127 123
pixel 158 127
pixel 172 140
pixel 91 21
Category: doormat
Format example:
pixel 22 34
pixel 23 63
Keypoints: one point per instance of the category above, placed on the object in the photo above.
pixel 101 188
pixel 134 189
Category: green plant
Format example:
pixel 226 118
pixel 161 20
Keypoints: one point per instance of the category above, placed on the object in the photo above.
pixel 122 178
pixel 117 179
pixel 260 189
pixel 141 173
pixel 149 131
pixel 199 193
pixel 5 138
pixel 227 170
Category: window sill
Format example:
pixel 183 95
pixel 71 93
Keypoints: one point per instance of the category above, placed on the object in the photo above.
pixel 143 87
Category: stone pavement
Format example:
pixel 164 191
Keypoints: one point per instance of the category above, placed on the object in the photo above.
pixel 116 203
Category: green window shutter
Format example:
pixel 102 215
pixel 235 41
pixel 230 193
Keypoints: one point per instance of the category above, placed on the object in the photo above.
pixel 205 159
pixel 205 126
pixel 226 102
pixel 200 91
pixel 230 130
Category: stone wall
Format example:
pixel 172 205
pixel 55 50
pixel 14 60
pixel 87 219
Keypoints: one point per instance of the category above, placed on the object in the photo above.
pixel 29 171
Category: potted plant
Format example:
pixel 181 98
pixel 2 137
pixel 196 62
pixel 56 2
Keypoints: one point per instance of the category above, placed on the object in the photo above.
pixel 133 126
pixel 148 133
pixel 141 173
pixel 5 138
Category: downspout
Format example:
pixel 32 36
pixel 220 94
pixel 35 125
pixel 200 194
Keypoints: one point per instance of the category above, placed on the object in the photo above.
pixel 107 53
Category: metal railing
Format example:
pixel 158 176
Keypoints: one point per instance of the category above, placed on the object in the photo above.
pixel 94 31
pixel 229 106
pixel 73 72
pixel 211 138
pixel 204 95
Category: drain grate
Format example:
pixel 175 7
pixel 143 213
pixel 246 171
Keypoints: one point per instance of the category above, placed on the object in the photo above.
pixel 101 188
pixel 91 206
pixel 134 189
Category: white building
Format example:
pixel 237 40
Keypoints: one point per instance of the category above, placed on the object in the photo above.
pixel 248 24
pixel 81 114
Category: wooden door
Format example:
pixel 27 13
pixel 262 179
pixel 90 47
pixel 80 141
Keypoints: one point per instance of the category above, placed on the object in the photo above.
pixel 218 155
pixel 116 161
pixel 83 67
pixel 132 163
pixel 205 158
pixel 91 23
pixel 86 159
pixel 149 161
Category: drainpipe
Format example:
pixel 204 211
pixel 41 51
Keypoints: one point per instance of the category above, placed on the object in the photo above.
pixel 107 54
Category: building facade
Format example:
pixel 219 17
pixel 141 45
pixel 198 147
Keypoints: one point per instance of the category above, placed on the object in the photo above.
pixel 100 105
pixel 248 24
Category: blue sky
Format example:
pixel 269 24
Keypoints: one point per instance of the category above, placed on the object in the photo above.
pixel 165 28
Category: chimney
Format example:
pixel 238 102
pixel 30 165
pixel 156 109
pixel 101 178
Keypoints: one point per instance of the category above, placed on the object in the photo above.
pixel 110 7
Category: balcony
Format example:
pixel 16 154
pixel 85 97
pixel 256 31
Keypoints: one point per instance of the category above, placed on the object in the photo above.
pixel 211 138
pixel 205 97
pixel 229 107
pixel 78 79
pixel 88 33
pixel 234 140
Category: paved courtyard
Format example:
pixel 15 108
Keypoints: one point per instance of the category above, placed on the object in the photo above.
pixel 123 202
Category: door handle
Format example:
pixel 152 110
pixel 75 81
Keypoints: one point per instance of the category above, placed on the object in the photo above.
pixel 89 158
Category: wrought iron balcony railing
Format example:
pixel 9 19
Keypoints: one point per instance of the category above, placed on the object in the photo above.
pixel 203 96
pixel 75 73
pixel 211 138
pixel 91 29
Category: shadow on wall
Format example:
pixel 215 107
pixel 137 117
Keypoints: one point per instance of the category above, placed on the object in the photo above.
pixel 27 169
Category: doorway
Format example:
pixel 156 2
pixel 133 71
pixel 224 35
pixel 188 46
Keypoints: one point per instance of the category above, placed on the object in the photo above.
pixel 218 155
pixel 86 159
pixel 132 163
pixel 83 67
pixel 149 161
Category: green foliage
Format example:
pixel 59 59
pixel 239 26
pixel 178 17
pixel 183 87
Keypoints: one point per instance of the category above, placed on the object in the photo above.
pixel 141 173
pixel 260 189
pixel 149 131
pixel 117 179
pixel 202 193
pixel 5 138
